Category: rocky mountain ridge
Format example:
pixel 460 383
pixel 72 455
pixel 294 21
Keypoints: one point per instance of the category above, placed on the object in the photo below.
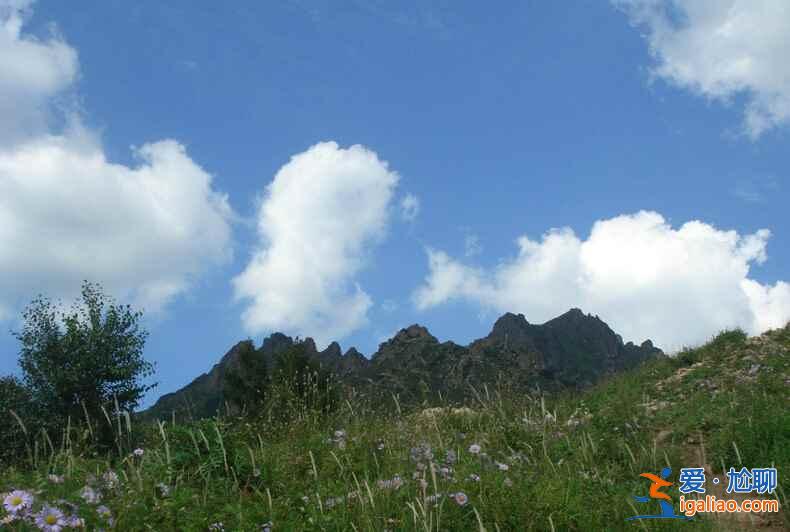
pixel 572 350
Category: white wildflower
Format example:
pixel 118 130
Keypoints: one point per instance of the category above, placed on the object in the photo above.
pixel 17 501
pixel 90 495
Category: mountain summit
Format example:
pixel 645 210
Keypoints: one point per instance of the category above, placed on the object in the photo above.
pixel 571 350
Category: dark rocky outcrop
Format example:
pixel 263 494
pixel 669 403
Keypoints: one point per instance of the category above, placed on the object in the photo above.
pixel 571 350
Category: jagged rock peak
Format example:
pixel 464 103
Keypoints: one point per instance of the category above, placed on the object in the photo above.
pixel 309 345
pixel 572 314
pixel 353 353
pixel 575 317
pixel 275 342
pixel 509 323
pixel 412 332
pixel 332 350
pixel 231 357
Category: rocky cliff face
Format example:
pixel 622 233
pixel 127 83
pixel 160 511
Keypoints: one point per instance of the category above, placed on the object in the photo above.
pixel 574 349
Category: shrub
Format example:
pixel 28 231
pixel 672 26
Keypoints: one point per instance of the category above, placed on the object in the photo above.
pixel 19 420
pixel 78 362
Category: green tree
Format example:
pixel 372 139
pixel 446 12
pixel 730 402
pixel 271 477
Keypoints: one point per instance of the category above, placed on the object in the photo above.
pixel 19 419
pixel 245 385
pixel 84 358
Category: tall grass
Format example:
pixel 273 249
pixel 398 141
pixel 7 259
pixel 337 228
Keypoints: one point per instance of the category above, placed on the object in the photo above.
pixel 507 461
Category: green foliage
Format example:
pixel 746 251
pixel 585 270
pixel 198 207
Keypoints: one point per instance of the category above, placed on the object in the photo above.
pixel 571 460
pixel 245 386
pixel 79 361
pixel 300 386
pixel 16 403
pixel 727 339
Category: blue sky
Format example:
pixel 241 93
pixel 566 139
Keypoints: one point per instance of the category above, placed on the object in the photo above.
pixel 637 153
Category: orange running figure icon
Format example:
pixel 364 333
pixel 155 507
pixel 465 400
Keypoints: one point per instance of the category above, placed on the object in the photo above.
pixel 664 500
pixel 655 487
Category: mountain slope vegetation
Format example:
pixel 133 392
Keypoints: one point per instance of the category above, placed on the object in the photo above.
pixel 503 459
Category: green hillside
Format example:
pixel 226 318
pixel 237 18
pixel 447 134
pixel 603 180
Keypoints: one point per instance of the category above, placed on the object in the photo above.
pixel 554 462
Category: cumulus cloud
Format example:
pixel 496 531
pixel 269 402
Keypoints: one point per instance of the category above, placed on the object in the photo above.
pixel 318 219
pixel 645 278
pixel 68 214
pixel 32 73
pixel 410 207
pixel 721 49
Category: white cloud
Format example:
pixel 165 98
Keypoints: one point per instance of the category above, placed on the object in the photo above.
pixel 32 73
pixel 318 219
pixel 410 207
pixel 68 214
pixel 721 49
pixel 646 279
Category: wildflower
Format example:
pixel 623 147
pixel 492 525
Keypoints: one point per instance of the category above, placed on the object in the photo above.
pixel 474 478
pixel 90 495
pixel 267 527
pixel 474 448
pixel 7 520
pixel 219 527
pixel 433 499
pixel 421 453
pixel 460 498
pixel 138 452
pixel 380 446
pixel 164 489
pixel 17 500
pixel 75 522
pixel 393 483
pixel 103 511
pixel 333 501
pixel 50 519
pixel 55 479
pixel 111 479
pixel 502 467
pixel 340 434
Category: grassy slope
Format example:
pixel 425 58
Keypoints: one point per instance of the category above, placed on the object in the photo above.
pixel 572 461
